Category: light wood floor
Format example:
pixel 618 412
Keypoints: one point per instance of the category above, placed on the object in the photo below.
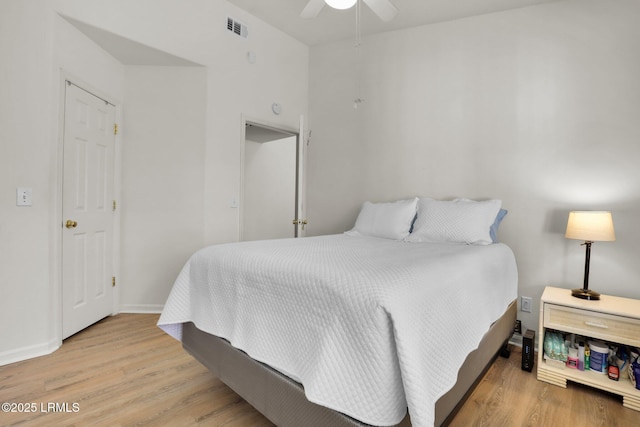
pixel 124 371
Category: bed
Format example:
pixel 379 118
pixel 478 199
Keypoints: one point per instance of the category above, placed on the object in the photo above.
pixel 377 326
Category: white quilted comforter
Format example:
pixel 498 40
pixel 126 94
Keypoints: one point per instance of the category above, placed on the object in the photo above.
pixel 369 326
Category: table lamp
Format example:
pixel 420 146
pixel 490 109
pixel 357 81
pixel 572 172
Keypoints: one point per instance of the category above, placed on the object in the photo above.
pixel 590 226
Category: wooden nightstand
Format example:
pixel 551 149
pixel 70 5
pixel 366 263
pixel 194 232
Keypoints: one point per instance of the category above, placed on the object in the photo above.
pixel 611 319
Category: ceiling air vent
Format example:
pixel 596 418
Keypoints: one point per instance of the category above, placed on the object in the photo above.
pixel 237 27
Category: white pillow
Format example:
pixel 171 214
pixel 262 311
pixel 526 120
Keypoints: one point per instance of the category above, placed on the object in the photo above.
pixel 390 220
pixel 457 221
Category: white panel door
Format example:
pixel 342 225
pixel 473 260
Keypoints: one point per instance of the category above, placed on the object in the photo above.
pixel 87 210
pixel 301 182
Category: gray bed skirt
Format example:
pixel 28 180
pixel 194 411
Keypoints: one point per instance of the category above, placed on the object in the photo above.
pixel 282 400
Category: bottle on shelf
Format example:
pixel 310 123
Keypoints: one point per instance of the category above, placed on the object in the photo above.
pixel 581 356
pixel 587 357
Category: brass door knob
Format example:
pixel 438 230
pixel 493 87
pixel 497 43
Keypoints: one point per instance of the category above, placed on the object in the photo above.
pixel 71 224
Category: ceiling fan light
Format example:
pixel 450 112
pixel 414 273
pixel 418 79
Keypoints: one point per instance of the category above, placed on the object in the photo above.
pixel 341 4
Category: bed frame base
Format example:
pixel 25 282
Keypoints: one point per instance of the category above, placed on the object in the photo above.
pixel 282 400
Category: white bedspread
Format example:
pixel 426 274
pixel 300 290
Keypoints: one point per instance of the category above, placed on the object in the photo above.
pixel 369 326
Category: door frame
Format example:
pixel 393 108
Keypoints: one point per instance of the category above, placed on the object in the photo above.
pixel 298 132
pixel 57 205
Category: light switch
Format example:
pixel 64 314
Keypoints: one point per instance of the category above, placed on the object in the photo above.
pixel 23 197
pixel 234 202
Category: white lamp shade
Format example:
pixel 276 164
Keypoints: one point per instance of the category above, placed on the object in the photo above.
pixel 340 4
pixel 592 226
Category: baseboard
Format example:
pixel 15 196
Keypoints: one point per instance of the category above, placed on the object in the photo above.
pixel 24 353
pixel 37 350
pixel 516 340
pixel 141 308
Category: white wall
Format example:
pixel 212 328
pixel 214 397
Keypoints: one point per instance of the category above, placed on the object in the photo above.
pixel 234 86
pixel 38 48
pixel 36 44
pixel 25 161
pixel 537 106
pixel 163 175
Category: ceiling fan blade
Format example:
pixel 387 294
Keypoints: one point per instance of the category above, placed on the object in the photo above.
pixel 383 8
pixel 312 9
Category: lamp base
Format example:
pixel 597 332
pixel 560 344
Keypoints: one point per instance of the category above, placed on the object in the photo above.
pixel 585 294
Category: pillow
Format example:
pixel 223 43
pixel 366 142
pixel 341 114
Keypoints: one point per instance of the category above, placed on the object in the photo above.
pixel 493 231
pixel 456 221
pixel 390 220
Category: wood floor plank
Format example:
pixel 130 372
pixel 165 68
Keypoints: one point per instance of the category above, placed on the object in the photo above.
pixel 508 396
pixel 124 371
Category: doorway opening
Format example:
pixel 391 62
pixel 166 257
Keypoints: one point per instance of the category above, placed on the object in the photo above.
pixel 270 190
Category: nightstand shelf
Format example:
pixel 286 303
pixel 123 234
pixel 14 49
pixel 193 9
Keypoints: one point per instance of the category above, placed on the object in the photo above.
pixel 611 319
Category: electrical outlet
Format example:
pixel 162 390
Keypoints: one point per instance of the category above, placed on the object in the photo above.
pixel 525 304
pixel 518 327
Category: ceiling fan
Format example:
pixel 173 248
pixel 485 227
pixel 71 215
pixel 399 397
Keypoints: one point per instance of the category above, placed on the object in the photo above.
pixel 383 8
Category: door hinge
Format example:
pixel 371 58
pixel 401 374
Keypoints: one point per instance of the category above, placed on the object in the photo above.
pixel 301 222
pixel 113 281
pixel 114 205
pixel 115 128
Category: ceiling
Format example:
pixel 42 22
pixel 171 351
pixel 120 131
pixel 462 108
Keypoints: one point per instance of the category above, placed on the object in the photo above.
pixel 334 25
pixel 127 51
pixel 261 133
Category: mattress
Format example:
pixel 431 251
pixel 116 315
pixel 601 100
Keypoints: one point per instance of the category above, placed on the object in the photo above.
pixel 369 327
